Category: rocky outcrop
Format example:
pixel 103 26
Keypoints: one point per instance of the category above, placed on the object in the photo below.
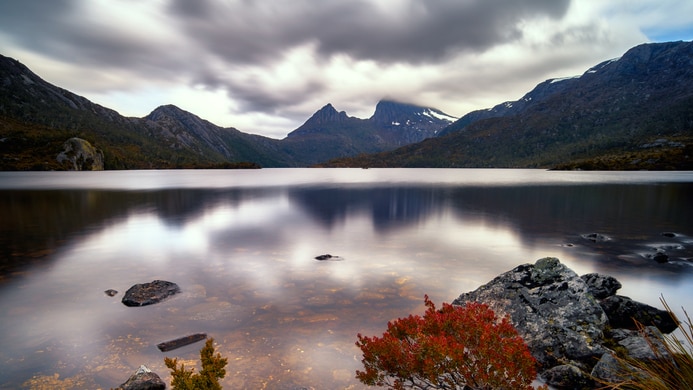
pixel 552 309
pixel 149 293
pixel 562 318
pixel 143 379
pixel 80 155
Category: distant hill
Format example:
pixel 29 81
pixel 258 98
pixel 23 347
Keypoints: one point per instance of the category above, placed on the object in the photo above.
pixel 633 112
pixel 36 118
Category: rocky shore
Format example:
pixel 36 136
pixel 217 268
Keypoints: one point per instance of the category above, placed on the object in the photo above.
pixel 571 323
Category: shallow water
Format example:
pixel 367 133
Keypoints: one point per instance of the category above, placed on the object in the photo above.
pixel 241 244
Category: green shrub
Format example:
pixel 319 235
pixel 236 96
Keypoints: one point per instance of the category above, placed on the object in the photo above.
pixel 207 379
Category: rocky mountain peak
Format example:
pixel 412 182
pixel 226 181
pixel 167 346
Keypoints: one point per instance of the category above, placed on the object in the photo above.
pixel 389 112
pixel 327 114
pixel 168 111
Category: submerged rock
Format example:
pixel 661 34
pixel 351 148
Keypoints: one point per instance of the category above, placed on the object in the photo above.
pixel 596 237
pixel 180 342
pixel 143 379
pixel 149 293
pixel 327 257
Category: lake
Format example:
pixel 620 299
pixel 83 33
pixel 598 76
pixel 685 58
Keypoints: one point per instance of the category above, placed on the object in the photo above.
pixel 242 244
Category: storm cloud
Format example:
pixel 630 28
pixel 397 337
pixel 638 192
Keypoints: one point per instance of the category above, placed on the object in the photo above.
pixel 266 66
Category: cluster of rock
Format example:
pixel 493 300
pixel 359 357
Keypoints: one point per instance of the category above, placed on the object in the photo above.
pixel 569 322
pixel 144 294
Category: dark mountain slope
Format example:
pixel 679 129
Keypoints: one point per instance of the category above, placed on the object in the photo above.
pixel 330 133
pixel 36 117
pixel 615 109
pixel 189 132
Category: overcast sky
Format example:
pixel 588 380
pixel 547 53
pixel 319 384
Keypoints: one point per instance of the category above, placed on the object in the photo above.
pixel 266 66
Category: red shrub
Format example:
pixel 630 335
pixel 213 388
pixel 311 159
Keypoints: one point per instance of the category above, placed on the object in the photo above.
pixel 450 348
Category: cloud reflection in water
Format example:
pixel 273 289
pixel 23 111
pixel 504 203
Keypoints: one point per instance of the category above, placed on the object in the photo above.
pixel 245 261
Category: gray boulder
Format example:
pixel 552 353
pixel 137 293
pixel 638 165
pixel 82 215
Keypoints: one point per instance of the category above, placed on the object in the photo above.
pixel 80 155
pixel 149 293
pixel 623 312
pixel 601 286
pixel 551 308
pixel 143 379
pixel 563 319
pixel 567 376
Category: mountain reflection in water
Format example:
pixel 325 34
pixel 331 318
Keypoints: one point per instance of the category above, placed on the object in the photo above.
pixel 243 254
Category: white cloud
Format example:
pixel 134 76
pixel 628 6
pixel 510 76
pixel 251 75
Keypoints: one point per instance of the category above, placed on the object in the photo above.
pixel 269 70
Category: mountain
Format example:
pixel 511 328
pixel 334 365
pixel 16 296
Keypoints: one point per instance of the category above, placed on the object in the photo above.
pixel 409 122
pixel 187 131
pixel 37 118
pixel 633 112
pixel 330 133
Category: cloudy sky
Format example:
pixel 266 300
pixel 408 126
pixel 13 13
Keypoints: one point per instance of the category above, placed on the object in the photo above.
pixel 265 66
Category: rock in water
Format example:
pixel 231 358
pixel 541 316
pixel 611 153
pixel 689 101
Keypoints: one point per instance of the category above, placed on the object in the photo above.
pixel 180 342
pixel 551 308
pixel 143 379
pixel 149 293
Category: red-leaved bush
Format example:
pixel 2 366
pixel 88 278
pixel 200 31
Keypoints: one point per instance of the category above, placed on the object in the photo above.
pixel 455 347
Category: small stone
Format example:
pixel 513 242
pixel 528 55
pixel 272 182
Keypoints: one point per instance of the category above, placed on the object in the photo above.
pixel 111 292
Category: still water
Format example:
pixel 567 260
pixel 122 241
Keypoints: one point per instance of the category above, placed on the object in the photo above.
pixel 242 246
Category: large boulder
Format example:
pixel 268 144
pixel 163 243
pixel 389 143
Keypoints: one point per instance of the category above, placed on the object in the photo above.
pixel 551 308
pixel 80 155
pixel 149 293
pixel 564 319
